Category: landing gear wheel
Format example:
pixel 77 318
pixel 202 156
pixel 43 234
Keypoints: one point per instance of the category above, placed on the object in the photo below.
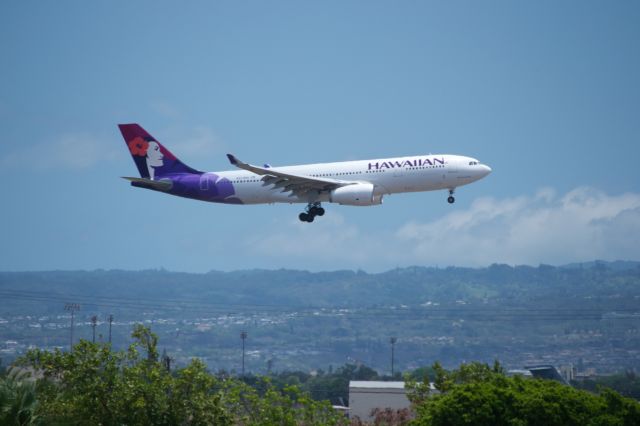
pixel 451 200
pixel 316 211
pixel 310 213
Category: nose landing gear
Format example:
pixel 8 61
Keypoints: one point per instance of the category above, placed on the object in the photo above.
pixel 312 210
pixel 451 198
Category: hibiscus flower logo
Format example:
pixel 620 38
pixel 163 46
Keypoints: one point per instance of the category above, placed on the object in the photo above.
pixel 138 146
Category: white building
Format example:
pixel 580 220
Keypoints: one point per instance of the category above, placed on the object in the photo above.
pixel 365 396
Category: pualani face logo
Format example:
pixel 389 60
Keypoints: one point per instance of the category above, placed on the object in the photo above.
pixel 417 162
pixel 147 152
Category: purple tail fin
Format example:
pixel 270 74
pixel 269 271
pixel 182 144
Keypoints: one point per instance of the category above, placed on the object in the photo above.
pixel 152 159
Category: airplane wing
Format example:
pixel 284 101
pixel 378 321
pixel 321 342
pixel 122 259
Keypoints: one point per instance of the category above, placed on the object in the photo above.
pixel 298 185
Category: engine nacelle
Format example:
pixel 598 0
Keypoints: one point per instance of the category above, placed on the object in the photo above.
pixel 359 194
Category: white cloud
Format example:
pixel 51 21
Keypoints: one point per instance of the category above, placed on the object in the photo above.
pixel 198 142
pixel 530 230
pixel 328 239
pixel 165 109
pixel 583 224
pixel 68 151
pixel 80 151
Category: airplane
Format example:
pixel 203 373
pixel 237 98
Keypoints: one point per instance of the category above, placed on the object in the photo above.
pixel 351 183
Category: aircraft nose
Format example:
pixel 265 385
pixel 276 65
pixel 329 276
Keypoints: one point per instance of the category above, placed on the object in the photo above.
pixel 486 169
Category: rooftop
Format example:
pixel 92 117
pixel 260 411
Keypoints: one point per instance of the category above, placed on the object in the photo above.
pixel 375 384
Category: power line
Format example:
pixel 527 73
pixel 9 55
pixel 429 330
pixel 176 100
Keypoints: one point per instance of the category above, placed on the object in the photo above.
pixel 150 302
pixel 489 314
pixel 191 303
pixel 176 304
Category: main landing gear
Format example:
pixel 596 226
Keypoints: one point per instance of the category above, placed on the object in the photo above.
pixel 451 198
pixel 312 210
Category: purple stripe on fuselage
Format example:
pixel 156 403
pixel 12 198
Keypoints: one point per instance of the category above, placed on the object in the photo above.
pixel 205 187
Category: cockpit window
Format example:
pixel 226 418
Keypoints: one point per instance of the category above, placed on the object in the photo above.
pixel 473 163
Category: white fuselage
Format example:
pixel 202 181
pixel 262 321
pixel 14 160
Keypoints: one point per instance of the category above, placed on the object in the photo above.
pixel 387 175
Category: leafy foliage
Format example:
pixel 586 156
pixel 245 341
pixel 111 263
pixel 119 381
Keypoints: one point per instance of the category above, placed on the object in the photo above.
pixel 269 406
pixel 333 387
pixel 94 385
pixel 477 394
pixel 627 384
pixel 386 417
pixel 17 399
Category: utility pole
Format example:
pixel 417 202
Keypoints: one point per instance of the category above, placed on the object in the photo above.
pixel 94 323
pixel 71 307
pixel 110 322
pixel 243 336
pixel 166 360
pixel 393 341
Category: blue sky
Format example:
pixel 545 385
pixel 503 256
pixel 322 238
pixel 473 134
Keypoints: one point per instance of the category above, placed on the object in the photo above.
pixel 547 93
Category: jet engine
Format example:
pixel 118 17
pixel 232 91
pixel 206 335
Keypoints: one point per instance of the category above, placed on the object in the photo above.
pixel 359 194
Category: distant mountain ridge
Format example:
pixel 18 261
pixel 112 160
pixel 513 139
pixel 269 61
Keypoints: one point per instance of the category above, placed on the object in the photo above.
pixel 521 315
pixel 410 286
pixel 617 265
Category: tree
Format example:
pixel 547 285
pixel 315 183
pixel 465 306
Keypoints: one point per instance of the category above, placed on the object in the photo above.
pixel 386 417
pixel 476 394
pixel 17 399
pixel 627 384
pixel 94 385
pixel 270 406
pixel 192 397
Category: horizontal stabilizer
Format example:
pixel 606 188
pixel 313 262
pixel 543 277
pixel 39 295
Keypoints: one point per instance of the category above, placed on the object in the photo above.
pixel 159 185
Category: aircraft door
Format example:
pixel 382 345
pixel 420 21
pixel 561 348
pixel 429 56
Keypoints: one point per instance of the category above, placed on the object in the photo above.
pixel 204 182
pixel 451 170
